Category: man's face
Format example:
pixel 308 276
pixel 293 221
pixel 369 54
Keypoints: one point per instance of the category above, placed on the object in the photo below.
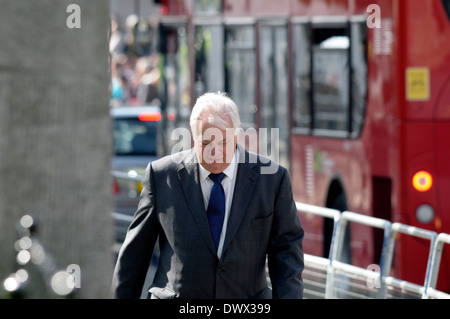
pixel 215 147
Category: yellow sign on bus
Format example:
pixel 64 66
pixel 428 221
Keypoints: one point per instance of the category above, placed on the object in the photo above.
pixel 417 84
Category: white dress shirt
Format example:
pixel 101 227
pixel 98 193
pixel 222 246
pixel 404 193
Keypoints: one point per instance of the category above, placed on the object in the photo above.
pixel 228 183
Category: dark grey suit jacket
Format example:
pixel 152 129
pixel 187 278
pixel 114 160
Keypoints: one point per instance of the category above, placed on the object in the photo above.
pixel 263 220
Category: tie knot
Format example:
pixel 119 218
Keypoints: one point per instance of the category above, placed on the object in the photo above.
pixel 217 178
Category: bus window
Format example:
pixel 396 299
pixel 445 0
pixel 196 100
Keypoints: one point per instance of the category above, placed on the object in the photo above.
pixel 302 78
pixel 358 51
pixel 174 48
pixel 330 86
pixel 208 45
pixel 240 70
pixel 446 4
pixel 207 7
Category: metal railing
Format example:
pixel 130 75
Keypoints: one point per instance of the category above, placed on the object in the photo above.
pixel 127 176
pixel 333 278
pixel 348 281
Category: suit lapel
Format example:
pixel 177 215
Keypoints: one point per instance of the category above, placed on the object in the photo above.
pixel 188 175
pixel 245 182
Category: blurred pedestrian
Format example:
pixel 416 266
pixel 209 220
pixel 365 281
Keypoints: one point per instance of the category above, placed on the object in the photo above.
pixel 116 39
pixel 217 216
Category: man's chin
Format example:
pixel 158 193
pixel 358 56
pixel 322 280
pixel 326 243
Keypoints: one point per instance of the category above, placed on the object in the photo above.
pixel 215 166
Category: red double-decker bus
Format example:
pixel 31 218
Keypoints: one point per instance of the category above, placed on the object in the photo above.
pixel 360 91
pixel 371 126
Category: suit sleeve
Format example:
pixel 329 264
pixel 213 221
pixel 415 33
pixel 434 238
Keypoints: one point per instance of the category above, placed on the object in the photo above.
pixel 285 254
pixel 137 249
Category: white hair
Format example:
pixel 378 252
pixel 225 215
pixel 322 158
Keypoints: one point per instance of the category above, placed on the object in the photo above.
pixel 215 105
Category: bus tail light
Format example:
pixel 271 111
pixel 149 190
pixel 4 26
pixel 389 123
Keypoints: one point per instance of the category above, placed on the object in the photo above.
pixel 150 116
pixel 422 181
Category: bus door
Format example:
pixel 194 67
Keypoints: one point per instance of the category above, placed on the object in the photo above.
pixel 273 89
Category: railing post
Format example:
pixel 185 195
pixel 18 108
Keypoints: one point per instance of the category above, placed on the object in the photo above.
pixel 385 261
pixel 434 263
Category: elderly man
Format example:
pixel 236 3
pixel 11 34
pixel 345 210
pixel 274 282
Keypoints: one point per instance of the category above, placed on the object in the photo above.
pixel 217 217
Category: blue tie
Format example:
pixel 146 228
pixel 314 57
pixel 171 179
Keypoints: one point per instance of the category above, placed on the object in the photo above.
pixel 216 207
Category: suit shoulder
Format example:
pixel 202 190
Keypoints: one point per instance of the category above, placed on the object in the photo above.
pixel 267 166
pixel 173 161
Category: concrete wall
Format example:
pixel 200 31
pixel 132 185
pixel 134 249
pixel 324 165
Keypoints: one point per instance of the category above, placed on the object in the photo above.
pixel 55 137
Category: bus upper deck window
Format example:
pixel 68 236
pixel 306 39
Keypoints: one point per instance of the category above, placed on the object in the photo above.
pixel 330 80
